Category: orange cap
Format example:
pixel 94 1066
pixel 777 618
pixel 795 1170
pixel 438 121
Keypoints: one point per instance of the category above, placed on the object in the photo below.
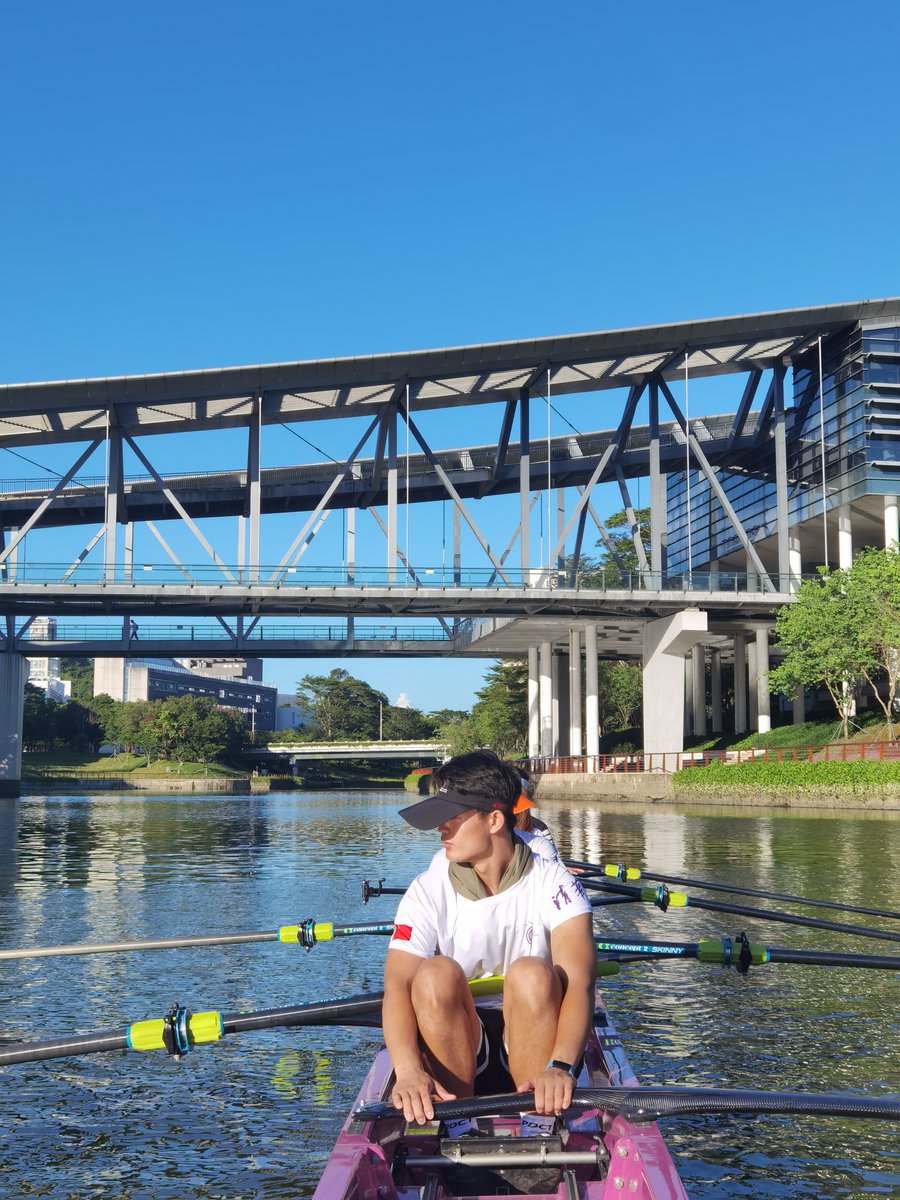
pixel 522 804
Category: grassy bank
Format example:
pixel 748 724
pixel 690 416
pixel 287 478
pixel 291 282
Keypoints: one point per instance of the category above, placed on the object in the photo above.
pixel 63 763
pixel 860 779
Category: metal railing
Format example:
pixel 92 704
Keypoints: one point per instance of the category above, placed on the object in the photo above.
pixel 669 763
pixel 540 579
pixel 187 632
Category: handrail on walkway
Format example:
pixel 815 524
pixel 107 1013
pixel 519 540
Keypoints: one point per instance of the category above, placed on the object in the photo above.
pixel 639 763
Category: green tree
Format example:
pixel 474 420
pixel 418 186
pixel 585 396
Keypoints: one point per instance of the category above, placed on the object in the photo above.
pixel 500 714
pixel 407 724
pixel 873 591
pixel 620 535
pixel 448 716
pixel 80 673
pixel 194 727
pixel 37 719
pixel 819 635
pixel 622 690
pixel 339 706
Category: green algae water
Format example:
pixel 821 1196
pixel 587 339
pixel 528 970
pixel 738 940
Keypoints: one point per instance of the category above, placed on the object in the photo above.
pixel 256 1114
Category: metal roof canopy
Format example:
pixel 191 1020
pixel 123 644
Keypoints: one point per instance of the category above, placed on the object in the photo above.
pixel 76 410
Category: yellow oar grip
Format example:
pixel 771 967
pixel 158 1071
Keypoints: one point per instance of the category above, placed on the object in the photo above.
pixel 323 932
pixel 678 900
pixel 148 1035
pixel 617 871
pixel 494 983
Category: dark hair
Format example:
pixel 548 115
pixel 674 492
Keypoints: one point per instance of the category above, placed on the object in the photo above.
pixel 481 773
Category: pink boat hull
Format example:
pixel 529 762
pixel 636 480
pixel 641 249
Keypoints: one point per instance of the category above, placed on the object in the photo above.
pixel 633 1160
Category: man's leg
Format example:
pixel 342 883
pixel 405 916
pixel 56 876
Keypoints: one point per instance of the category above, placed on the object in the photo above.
pixel 532 995
pixel 449 1029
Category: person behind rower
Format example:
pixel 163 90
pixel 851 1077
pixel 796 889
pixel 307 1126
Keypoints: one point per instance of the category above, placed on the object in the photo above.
pixel 487 906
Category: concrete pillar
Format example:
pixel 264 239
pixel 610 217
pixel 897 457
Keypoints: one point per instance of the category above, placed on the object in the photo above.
pixel 845 537
pixel 891 520
pixel 764 719
pixel 740 683
pixel 591 693
pixel 666 642
pixel 546 699
pixel 687 723
pixel 698 681
pixel 752 692
pixel 575 692
pixel 561 705
pixel 715 689
pixel 534 703
pixel 13 673
pixel 795 561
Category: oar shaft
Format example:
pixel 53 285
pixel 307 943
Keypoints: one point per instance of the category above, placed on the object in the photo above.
pixel 763 914
pixel 733 889
pixel 65 1047
pixel 821 958
pixel 232 939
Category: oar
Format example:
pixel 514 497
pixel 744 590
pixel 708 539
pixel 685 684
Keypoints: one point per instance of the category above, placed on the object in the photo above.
pixel 370 890
pixel 664 898
pixel 625 874
pixel 639 1104
pixel 742 954
pixel 180 1030
pixel 307 934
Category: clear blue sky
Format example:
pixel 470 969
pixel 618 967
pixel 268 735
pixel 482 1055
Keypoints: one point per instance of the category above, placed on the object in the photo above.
pixel 195 185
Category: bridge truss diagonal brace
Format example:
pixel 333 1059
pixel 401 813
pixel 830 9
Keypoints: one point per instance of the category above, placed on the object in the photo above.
pixel 515 537
pixel 604 534
pixel 610 454
pixel 410 570
pixel 384 421
pixel 743 412
pixel 453 493
pixel 713 481
pixel 323 502
pixel 171 553
pixel 101 532
pixel 48 500
pixel 633 523
pixel 180 509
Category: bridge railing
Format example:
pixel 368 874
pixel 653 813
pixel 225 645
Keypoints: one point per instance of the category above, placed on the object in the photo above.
pixel 603 579
pixel 259 636
pixel 662 763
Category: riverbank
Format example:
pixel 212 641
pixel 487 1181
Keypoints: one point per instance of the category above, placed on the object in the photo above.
pixel 864 786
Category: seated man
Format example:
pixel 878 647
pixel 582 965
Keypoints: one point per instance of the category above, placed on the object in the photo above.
pixel 487 906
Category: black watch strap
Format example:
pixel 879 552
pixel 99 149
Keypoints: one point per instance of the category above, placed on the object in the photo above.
pixel 561 1066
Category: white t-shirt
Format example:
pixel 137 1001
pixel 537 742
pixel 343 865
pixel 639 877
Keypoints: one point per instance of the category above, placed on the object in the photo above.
pixel 485 936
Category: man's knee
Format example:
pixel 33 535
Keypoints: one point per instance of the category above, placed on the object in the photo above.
pixel 533 982
pixel 438 984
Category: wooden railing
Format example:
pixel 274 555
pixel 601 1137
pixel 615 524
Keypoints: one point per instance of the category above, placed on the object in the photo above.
pixel 638 762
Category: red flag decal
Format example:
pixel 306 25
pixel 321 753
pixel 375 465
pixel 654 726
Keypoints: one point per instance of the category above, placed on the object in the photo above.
pixel 402 933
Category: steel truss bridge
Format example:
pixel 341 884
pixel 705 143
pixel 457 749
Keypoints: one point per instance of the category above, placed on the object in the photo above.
pixel 238 590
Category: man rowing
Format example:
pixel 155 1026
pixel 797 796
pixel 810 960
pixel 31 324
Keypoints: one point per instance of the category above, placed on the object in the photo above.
pixel 488 906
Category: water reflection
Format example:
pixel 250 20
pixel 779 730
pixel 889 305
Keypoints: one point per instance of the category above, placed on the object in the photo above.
pixel 257 1115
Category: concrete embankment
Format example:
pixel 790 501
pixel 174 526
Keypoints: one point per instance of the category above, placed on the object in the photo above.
pixel 660 789
pixel 85 783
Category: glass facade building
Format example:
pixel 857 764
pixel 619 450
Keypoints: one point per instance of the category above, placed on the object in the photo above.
pixel 852 437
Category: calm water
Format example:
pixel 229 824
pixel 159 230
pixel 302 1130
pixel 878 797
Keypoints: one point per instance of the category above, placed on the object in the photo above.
pixel 255 1115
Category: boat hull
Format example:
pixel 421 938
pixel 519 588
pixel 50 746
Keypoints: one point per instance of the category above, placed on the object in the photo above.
pixel 596 1157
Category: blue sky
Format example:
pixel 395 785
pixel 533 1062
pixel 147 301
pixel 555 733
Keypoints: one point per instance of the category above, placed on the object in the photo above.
pixel 198 185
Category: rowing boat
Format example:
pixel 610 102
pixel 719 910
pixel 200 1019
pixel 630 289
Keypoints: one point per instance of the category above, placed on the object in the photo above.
pixel 596 1154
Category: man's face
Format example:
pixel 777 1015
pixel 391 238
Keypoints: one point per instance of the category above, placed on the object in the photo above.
pixel 467 837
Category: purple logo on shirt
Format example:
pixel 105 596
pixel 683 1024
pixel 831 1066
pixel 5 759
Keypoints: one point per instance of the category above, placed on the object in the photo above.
pixel 561 897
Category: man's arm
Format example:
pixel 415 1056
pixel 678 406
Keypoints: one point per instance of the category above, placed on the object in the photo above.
pixel 413 1088
pixel 574 956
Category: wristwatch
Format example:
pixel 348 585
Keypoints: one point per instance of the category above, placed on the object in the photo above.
pixel 562 1066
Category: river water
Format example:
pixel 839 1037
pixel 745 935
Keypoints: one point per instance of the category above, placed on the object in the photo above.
pixel 256 1114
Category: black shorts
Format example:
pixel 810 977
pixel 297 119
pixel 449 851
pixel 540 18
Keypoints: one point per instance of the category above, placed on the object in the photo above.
pixel 491 1062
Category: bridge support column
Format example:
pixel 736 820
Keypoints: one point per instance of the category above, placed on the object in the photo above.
pixel 561 705
pixel 764 719
pixel 687 723
pixel 591 691
pixel 575 692
pixel 752 692
pixel 665 643
pixel 546 699
pixel 891 520
pixel 715 689
pixel 13 673
pixel 534 704
pixel 740 683
pixel 698 673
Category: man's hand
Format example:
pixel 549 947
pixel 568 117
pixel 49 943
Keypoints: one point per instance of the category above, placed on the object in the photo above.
pixel 414 1091
pixel 552 1089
